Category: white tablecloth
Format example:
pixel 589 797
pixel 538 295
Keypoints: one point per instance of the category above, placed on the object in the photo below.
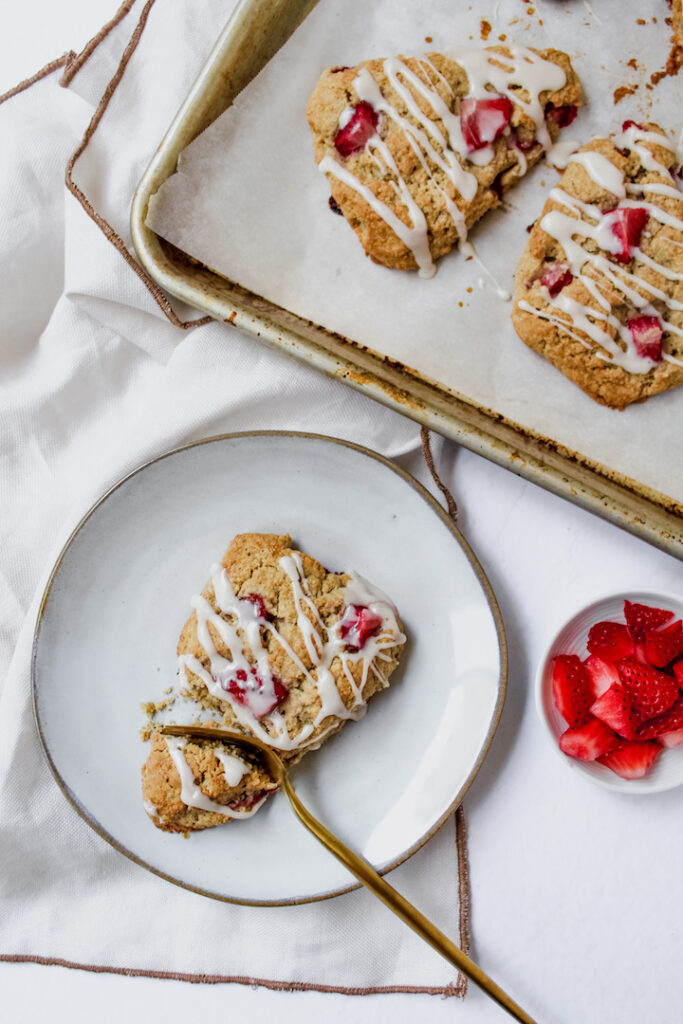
pixel 575 890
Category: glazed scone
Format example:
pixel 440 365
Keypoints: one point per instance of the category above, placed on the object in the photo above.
pixel 282 649
pixel 189 785
pixel 599 286
pixel 416 149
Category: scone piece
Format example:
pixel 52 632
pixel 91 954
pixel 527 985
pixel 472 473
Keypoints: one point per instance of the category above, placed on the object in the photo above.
pixel 416 149
pixel 599 286
pixel 677 21
pixel 189 785
pixel 283 649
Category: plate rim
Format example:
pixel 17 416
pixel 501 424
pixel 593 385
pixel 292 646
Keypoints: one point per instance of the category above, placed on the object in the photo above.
pixel 481 576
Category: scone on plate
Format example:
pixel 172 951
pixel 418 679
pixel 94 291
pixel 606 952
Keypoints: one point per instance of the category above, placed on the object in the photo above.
pixel 416 149
pixel 599 286
pixel 276 647
pixel 189 784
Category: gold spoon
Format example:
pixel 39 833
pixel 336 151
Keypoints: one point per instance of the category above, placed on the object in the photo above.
pixel 360 868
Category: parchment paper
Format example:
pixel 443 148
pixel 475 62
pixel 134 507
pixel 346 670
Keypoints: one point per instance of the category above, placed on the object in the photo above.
pixel 249 202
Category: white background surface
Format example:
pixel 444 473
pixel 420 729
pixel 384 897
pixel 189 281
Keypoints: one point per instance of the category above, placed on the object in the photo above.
pixel 544 558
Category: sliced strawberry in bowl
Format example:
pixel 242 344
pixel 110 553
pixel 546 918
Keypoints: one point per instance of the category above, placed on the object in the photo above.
pixel 610 641
pixel 663 645
pixel 647 335
pixel 641 619
pixel 631 760
pixel 626 224
pixel 590 741
pixel 601 674
pixel 484 120
pixel 616 710
pixel 571 690
pixel 651 692
pixel 358 130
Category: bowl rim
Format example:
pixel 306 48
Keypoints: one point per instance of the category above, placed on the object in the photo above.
pixel 586 768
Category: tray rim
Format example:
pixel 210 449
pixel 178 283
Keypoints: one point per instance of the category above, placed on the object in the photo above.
pixel 459 538
pixel 253 34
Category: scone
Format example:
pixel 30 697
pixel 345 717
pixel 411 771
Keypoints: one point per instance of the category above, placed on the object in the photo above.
pixel 188 785
pixel 416 149
pixel 599 286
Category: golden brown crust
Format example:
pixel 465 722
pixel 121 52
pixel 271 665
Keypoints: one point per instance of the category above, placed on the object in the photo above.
pixel 677 21
pixel 335 92
pixel 606 382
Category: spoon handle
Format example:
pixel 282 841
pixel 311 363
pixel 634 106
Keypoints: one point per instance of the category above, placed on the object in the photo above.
pixel 402 908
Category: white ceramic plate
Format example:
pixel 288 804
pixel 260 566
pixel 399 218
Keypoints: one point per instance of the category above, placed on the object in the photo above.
pixel 667 772
pixel 119 595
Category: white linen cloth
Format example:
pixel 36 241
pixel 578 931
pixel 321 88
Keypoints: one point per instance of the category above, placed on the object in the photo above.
pixel 575 890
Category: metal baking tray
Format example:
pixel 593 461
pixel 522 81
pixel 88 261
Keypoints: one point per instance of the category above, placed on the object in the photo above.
pixel 256 30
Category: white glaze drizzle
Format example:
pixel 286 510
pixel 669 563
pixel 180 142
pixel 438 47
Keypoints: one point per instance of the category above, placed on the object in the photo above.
pixel 234 768
pixel 432 146
pixel 322 645
pixel 190 793
pixel 588 221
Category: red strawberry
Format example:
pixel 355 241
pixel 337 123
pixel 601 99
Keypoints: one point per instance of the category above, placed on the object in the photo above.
pixel 646 332
pixel 250 692
pixel 651 692
pixel 678 672
pixel 616 710
pixel 571 689
pixel 601 675
pixel 589 741
pixel 562 116
pixel 642 618
pixel 556 277
pixel 361 126
pixel 357 624
pixel 632 760
pixel 260 606
pixel 610 641
pixel 483 121
pixel 662 646
pixel 631 124
pixel 670 721
pixel 627 223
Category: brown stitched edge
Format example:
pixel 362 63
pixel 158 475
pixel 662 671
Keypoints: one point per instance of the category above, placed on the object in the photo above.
pixel 464 888
pixel 102 224
pixel 71 61
pixel 218 979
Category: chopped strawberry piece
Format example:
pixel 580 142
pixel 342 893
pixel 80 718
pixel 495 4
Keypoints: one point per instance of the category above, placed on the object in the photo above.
pixel 556 277
pixel 589 741
pixel 631 124
pixel 610 641
pixel 627 225
pixel 671 739
pixel 601 675
pixel 483 121
pixel 526 144
pixel 647 332
pixel 249 691
pixel 632 760
pixel 571 689
pixel 642 618
pixel 249 800
pixel 260 606
pixel 678 672
pixel 562 116
pixel 357 624
pixel 662 646
pixel 361 126
pixel 670 721
pixel 651 692
pixel 616 710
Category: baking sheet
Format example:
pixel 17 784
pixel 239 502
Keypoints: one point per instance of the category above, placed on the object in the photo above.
pixel 249 202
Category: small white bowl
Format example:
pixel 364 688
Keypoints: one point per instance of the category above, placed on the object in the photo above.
pixel 667 771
